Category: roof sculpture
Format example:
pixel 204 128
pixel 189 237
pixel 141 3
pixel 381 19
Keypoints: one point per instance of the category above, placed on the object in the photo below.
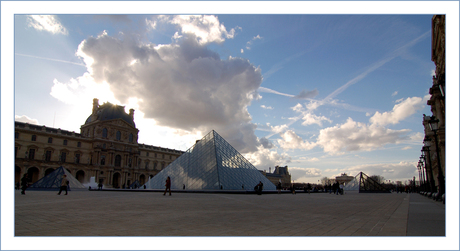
pixel 53 180
pixel 211 164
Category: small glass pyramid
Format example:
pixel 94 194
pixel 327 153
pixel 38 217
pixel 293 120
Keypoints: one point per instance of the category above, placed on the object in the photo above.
pixel 53 180
pixel 211 164
pixel 365 184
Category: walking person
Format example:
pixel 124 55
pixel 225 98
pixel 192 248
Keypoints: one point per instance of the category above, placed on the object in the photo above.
pixel 24 183
pixel 168 186
pixel 278 187
pixel 64 184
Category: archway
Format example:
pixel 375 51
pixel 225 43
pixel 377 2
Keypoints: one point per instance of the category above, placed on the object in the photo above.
pixel 80 176
pixel 48 171
pixel 33 174
pixel 116 180
pixel 142 179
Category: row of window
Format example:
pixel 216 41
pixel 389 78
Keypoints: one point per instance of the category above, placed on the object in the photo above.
pixel 50 139
pixel 47 155
pixel 163 156
pixel 63 157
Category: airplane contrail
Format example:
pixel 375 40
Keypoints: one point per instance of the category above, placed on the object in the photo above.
pixel 374 67
pixel 50 59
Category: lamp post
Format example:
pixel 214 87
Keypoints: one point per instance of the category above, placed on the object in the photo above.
pixel 426 153
pixel 419 167
pixel 423 168
pixel 434 127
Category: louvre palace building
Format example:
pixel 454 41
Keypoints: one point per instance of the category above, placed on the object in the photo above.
pixel 106 148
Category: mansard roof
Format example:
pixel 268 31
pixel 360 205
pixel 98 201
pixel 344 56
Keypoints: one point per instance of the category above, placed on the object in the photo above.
pixel 109 111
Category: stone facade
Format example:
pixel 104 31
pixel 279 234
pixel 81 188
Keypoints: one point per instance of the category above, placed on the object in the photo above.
pixel 106 148
pixel 434 159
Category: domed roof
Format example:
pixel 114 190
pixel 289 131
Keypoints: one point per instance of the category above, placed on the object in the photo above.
pixel 108 111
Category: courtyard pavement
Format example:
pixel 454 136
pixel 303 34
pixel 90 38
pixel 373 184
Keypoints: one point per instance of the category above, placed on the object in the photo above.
pixel 103 213
pixel 123 213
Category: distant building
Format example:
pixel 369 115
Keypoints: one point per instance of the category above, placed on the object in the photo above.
pixel 344 178
pixel 279 174
pixel 106 148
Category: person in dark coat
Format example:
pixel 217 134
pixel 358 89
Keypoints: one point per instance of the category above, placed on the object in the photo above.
pixel 168 186
pixel 259 187
pixel 24 183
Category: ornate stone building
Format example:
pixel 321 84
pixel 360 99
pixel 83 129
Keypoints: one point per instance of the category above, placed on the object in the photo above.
pixel 433 153
pixel 344 178
pixel 279 174
pixel 106 148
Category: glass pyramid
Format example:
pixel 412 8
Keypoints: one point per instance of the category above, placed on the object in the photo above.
pixel 53 180
pixel 365 184
pixel 211 164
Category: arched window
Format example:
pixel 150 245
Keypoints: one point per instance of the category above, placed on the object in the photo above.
pixel 118 160
pixel 31 153
pixel 63 156
pixel 102 160
pixel 104 133
pixel 77 158
pixel 48 155
pixel 130 138
pixel 118 135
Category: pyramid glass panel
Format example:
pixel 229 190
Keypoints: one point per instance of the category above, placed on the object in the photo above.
pixel 211 164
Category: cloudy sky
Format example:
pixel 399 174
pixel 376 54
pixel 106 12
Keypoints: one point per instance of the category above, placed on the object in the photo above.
pixel 322 94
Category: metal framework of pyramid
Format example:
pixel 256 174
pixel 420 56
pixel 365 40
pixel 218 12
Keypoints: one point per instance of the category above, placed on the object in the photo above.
pixel 365 184
pixel 211 164
pixel 53 180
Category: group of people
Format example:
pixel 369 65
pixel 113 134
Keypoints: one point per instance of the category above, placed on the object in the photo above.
pixel 336 188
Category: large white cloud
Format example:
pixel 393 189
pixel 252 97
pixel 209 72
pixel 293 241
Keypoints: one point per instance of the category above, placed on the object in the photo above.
pixel 402 110
pixel 290 140
pixel 264 158
pixel 206 28
pixel 356 136
pixel 181 85
pixel 308 117
pixel 25 119
pixel 47 23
